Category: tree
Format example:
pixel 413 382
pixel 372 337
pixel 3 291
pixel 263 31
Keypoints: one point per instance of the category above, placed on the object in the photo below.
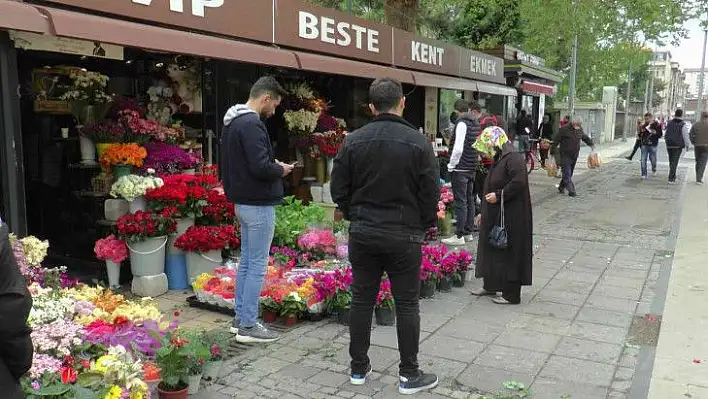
pixel 402 14
pixel 659 87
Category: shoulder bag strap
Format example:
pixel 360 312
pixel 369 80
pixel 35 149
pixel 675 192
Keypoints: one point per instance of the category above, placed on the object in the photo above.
pixel 502 209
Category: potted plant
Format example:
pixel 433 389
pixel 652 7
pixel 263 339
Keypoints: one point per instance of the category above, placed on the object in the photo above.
pixel 292 307
pixel 197 355
pixel 429 275
pixel 318 243
pixel 103 134
pixel 122 158
pixel 168 158
pixel 146 236
pixel 464 260
pixel 203 246
pixel 448 268
pixel 185 196
pixel 269 309
pixel 171 358
pixel 114 252
pixel 132 188
pixel 340 303
pixel 385 310
pixel 216 341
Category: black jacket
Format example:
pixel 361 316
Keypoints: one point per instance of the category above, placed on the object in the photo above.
pixel 674 134
pixel 468 159
pixel 15 304
pixel 248 168
pixel 647 138
pixel 567 140
pixel 545 130
pixel 386 180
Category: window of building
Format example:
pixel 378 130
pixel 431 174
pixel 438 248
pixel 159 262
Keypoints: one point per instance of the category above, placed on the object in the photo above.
pixel 446 106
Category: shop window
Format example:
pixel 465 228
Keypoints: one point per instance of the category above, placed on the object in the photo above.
pixel 446 106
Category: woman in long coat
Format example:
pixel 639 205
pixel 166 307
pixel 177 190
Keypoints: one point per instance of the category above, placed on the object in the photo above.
pixel 504 270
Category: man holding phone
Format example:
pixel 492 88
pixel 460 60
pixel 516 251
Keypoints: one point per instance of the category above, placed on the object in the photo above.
pixel 253 181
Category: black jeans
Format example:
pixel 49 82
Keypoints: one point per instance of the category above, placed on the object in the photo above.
pixel 701 153
pixel 463 191
pixel 637 145
pixel 567 169
pixel 370 256
pixel 674 157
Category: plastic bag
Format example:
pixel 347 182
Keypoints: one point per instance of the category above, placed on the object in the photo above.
pixel 593 160
pixel 551 168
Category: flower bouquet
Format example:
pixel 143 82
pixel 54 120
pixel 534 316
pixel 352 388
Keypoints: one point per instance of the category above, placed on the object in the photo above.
pixel 123 157
pixel 329 142
pixel 103 132
pixel 113 251
pixel 132 187
pixel 218 209
pixel 204 244
pixel 143 130
pixel 87 95
pixel 168 159
pixel 187 194
pixel 318 243
pixel 301 123
pixel 384 311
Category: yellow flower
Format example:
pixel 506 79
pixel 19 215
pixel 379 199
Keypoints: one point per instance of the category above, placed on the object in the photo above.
pixel 103 363
pixel 114 393
pixel 136 395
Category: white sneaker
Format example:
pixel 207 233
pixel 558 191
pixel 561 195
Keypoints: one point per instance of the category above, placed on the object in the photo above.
pixel 653 173
pixel 469 237
pixel 454 241
pixel 700 183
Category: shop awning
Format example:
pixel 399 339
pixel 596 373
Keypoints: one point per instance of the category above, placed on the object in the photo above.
pixel 91 27
pixel 21 16
pixel 537 88
pixel 341 66
pixel 500 90
pixel 444 82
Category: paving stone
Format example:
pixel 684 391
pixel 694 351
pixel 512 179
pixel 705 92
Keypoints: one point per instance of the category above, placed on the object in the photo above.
pixel 524 339
pixel 329 379
pixel 310 343
pixel 620 279
pixel 617 395
pixel 439 306
pixel 470 330
pixel 203 394
pixel 589 350
pixel 562 297
pixel 451 348
pixel 328 390
pixel 628 358
pixel 598 332
pixel 489 379
pixel 369 389
pixel 289 354
pixel 381 358
pixel 561 311
pixel 432 322
pixel 346 394
pixel 579 287
pixel 613 304
pixel 550 388
pixel 577 371
pixel 587 277
pixel 388 337
pixel 299 372
pixel 603 316
pixel 268 365
pixel 522 361
pixel 542 324
pixel 618 292
pixel 389 380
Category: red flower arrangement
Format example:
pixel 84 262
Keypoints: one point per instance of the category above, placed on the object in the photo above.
pixel 218 210
pixel 329 142
pixel 140 226
pixel 187 194
pixel 208 238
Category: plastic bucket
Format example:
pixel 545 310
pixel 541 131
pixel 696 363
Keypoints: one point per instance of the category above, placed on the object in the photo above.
pixel 182 226
pixel 198 263
pixel 113 271
pixel 138 204
pixel 121 170
pixel 147 258
pixel 176 270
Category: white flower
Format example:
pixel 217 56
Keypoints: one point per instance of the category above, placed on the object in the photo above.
pixel 133 186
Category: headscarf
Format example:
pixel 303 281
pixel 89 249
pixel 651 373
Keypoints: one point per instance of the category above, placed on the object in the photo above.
pixel 490 140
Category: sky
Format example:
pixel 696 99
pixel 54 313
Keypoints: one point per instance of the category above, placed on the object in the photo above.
pixel 688 53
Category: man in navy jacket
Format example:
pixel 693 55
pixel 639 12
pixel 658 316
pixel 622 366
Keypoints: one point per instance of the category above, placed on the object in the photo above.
pixel 253 181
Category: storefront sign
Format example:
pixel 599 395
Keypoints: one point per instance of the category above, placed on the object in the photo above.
pixel 325 30
pixel 416 52
pixel 234 18
pixel 36 42
pixel 482 66
pixel 530 59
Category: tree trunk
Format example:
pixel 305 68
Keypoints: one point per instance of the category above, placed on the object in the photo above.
pixel 402 14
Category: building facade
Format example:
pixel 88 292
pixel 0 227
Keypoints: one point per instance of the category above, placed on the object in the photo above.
pixel 672 80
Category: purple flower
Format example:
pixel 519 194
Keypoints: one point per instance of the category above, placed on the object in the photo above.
pixel 167 158
pixel 35 384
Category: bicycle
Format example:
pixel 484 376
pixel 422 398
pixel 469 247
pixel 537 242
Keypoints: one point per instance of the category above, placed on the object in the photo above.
pixel 533 159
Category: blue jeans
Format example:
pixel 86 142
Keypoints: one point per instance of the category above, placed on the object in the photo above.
pixel 648 151
pixel 257 227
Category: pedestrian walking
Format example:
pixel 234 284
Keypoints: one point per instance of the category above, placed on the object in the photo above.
pixel 649 134
pixel 462 168
pixel 545 134
pixel 524 125
pixel 16 348
pixel 699 138
pixel 507 198
pixel 253 181
pixel 675 138
pixel 387 226
pixel 567 141
pixel 637 142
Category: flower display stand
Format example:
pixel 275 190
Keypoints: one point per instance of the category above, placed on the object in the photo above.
pixel 198 263
pixel 147 263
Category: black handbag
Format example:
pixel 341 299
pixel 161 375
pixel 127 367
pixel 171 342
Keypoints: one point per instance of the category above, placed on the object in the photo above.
pixel 498 238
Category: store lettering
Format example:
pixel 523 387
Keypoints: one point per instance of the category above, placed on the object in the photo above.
pixel 339 33
pixel 198 6
pixel 426 53
pixel 483 66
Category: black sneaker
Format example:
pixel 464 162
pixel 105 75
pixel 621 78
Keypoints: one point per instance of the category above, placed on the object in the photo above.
pixel 573 194
pixel 360 379
pixel 421 382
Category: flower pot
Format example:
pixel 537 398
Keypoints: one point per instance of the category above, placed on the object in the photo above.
pixel 269 316
pixel 138 204
pixel 427 289
pixel 182 225
pixel 459 279
pixel 445 225
pixel 343 316
pixel 194 381
pixel 114 208
pixel 121 170
pixel 176 271
pixel 198 263
pixel 290 320
pixel 212 369
pixel 113 270
pixel 101 148
pixel 147 258
pixel 385 316
pixel 445 284
pixel 88 151
pixel 321 170
pixel 181 394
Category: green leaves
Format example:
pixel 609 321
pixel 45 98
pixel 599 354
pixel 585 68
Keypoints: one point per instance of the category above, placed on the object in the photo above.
pixel 292 219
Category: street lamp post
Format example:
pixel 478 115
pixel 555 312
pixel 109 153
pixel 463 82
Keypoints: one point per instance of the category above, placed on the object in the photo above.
pixel 628 124
pixel 701 76
pixel 573 73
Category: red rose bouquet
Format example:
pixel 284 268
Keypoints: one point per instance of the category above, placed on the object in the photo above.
pixel 186 193
pixel 218 210
pixel 140 226
pixel 111 248
pixel 208 238
pixel 329 142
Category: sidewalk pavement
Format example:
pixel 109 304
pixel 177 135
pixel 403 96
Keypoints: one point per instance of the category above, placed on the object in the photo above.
pixel 681 362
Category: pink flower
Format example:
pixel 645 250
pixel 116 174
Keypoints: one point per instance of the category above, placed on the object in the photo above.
pixel 111 248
